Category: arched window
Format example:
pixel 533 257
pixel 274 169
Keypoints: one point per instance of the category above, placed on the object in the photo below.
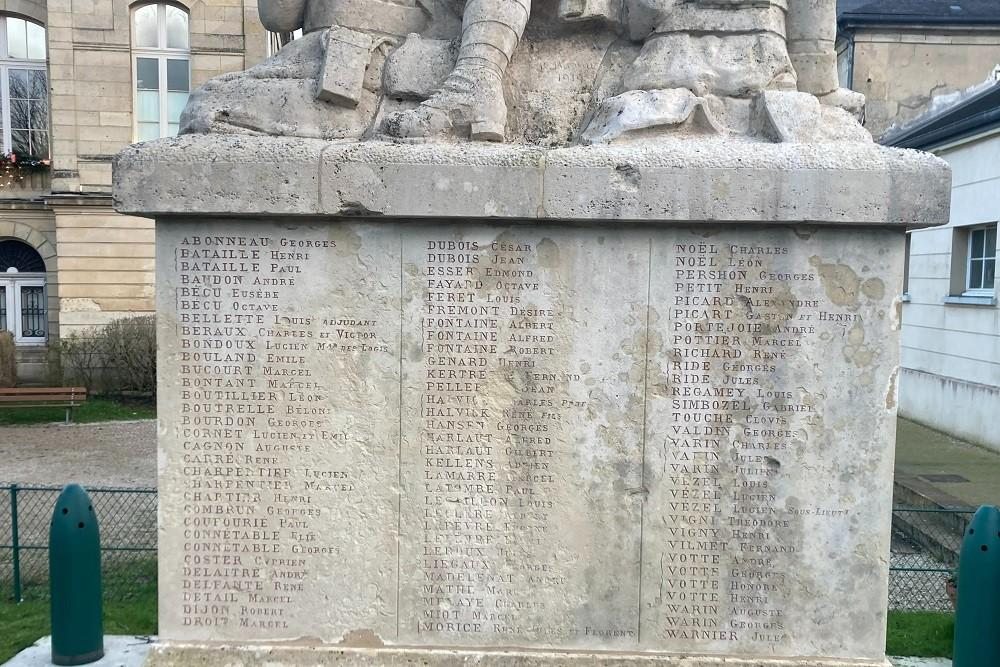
pixel 162 69
pixel 23 309
pixel 25 88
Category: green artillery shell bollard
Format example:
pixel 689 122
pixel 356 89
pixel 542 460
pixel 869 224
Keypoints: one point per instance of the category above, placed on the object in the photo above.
pixel 75 580
pixel 977 614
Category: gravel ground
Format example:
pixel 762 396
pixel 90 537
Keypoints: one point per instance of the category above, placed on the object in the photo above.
pixel 916 585
pixel 102 454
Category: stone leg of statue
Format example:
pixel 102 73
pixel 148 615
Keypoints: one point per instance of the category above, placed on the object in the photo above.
pixel 812 35
pixel 471 98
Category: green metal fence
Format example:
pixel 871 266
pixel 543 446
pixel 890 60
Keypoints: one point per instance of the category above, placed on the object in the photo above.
pixel 924 556
pixel 128 540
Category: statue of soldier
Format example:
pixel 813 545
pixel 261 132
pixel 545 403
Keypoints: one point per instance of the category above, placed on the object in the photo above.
pixel 720 48
pixel 324 85
pixel 327 85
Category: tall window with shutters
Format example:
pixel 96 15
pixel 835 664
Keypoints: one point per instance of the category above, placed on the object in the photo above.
pixel 25 89
pixel 161 66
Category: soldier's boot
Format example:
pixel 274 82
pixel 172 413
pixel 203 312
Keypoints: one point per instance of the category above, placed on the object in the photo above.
pixel 471 97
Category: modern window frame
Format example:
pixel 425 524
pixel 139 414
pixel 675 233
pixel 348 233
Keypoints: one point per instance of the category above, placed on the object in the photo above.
pixel 979 291
pixel 161 54
pixel 12 292
pixel 7 64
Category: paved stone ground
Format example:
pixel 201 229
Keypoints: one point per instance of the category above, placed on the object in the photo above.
pixel 119 651
pixel 923 454
pixel 102 454
pixel 128 651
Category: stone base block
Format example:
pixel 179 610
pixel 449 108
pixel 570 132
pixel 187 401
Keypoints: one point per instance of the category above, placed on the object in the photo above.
pixel 205 655
pixel 674 181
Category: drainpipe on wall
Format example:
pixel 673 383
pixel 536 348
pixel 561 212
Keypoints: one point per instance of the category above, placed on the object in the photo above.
pixel 850 60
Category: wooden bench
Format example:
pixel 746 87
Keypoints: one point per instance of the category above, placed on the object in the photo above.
pixel 44 397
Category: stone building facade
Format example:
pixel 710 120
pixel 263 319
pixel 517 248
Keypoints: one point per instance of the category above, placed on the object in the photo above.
pixel 903 53
pixel 80 80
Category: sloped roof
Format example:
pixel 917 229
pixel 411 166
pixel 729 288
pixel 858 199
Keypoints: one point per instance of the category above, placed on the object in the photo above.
pixel 975 111
pixel 947 12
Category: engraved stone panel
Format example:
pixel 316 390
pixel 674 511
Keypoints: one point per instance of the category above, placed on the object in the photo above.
pixel 522 380
pixel 279 373
pixel 637 439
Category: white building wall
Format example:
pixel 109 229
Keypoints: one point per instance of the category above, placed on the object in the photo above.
pixel 950 377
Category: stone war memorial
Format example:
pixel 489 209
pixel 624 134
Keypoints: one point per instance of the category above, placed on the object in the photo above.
pixel 502 334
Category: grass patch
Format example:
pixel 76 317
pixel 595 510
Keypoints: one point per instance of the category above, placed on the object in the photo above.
pixel 94 410
pixel 921 634
pixel 132 611
pixel 21 625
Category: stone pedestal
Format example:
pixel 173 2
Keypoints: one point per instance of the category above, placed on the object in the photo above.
pixel 445 404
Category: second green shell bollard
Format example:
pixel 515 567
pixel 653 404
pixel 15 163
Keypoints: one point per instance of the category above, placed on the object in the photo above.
pixel 75 580
pixel 977 613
